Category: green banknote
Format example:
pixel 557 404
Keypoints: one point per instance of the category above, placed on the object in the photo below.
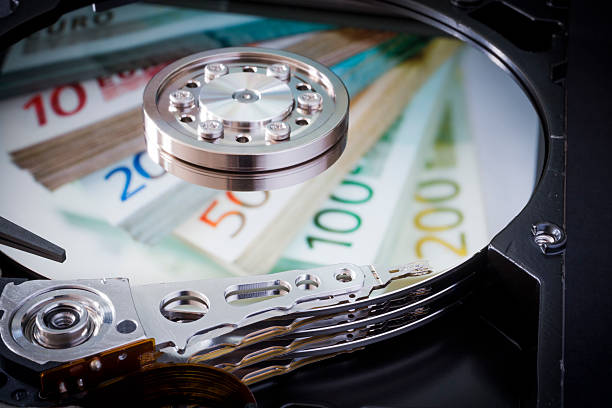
pixel 416 195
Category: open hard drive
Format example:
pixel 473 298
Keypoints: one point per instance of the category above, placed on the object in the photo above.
pixel 240 204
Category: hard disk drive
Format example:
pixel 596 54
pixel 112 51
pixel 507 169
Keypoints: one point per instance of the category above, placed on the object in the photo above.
pixel 258 203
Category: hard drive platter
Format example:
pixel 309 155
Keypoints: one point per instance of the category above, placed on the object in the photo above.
pixel 287 191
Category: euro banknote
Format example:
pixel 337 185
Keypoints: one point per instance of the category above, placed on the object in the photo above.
pixel 137 195
pixel 84 44
pixel 248 231
pixel 433 212
pixel 68 132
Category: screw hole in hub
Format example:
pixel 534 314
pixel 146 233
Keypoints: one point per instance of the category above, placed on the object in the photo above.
pixel 243 138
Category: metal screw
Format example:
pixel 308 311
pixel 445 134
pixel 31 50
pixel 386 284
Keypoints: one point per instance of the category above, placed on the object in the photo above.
pixel 278 131
pixel 310 101
pixel 549 237
pixel 279 71
pixel 210 129
pixel 19 395
pixel 182 100
pixel 215 70
pixel 95 364
pixel 80 383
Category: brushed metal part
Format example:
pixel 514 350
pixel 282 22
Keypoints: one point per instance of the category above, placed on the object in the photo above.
pixel 181 100
pixel 342 332
pixel 310 101
pixel 214 70
pixel 223 317
pixel 262 180
pixel 62 324
pixel 325 311
pixel 210 129
pixel 245 89
pixel 245 99
pixel 107 301
pixel 278 131
pixel 284 364
pixel 279 71
pixel 326 317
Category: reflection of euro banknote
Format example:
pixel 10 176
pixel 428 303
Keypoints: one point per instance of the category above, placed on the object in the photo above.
pixel 150 203
pixel 252 237
pixel 136 195
pixel 353 222
pixel 429 217
pixel 83 44
pixel 506 131
pixel 84 33
pixel 65 133
pixel 444 221
pixel 434 213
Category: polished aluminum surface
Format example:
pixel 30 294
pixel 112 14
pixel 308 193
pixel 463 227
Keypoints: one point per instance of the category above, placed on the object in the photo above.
pixel 245 89
pixel 245 98
pixel 245 325
pixel 184 318
pixel 36 321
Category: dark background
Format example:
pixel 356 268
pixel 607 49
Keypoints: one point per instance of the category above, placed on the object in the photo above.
pixel 588 296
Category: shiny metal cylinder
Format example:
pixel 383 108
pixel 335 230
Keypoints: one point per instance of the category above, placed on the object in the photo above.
pixel 62 324
pixel 275 133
